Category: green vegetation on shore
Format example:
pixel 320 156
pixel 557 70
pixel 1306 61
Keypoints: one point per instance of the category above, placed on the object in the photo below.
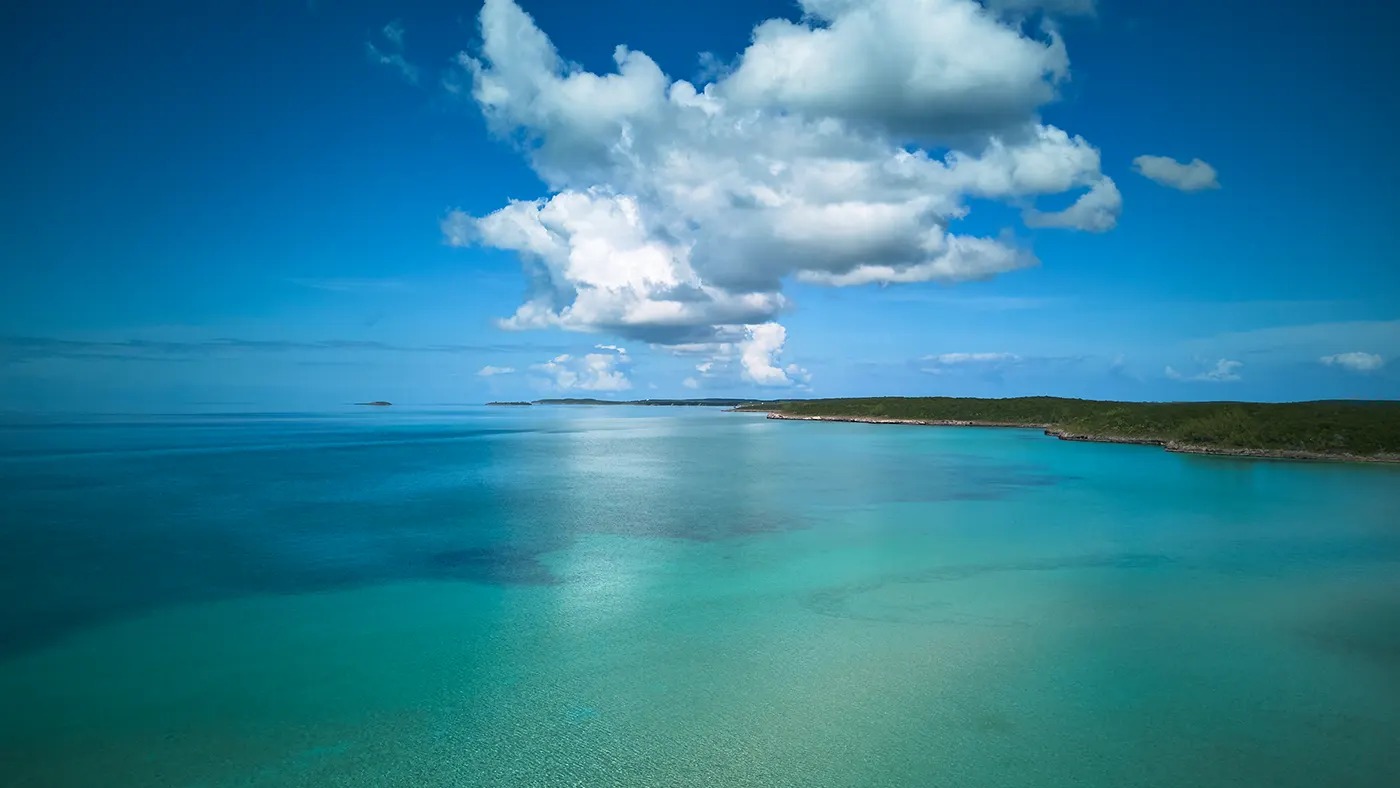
pixel 1344 428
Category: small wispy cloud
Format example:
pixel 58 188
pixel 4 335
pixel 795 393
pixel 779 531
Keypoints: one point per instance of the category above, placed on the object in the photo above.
pixel 1118 368
pixel 982 363
pixel 706 371
pixel 694 348
pixel 1304 342
pixel 393 33
pixel 490 371
pixel 972 303
pixel 1192 177
pixel 350 285
pixel 972 358
pixel 994 365
pixel 392 56
pixel 395 61
pixel 1067 7
pixel 1355 361
pixel 1224 371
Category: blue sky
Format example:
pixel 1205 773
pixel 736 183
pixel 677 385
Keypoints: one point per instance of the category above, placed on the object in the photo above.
pixel 295 205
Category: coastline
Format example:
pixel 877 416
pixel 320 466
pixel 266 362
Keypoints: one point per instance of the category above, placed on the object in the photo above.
pixel 1055 432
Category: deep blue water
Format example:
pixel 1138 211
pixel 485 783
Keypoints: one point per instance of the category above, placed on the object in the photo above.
pixel 640 596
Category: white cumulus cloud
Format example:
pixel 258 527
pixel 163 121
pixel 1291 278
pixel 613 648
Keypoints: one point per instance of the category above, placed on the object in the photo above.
pixel 1223 371
pixel 1356 361
pixel 758 355
pixel 490 371
pixel 941 68
pixel 590 372
pixel 676 212
pixel 749 353
pixel 1192 177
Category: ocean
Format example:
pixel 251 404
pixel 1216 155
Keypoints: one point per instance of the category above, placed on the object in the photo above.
pixel 630 596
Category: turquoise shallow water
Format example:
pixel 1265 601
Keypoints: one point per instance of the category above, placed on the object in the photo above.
pixel 646 597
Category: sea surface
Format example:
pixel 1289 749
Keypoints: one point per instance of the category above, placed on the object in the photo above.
pixel 575 596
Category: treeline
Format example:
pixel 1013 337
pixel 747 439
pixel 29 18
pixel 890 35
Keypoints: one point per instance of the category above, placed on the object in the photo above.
pixel 1363 428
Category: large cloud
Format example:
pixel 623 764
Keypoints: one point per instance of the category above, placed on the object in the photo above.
pixel 676 213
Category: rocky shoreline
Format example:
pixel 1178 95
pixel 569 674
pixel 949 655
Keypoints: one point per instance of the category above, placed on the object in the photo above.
pixel 1055 432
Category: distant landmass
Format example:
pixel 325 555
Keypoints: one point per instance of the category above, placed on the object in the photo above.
pixel 702 402
pixel 376 403
pixel 1325 430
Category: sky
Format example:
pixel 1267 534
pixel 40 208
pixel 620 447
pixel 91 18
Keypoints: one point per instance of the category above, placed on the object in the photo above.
pixel 292 205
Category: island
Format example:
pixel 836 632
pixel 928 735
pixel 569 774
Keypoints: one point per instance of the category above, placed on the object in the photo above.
pixel 376 403
pixel 1349 430
pixel 510 403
